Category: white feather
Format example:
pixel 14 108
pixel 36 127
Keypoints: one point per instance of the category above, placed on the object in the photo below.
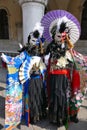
pixel 20 45
pixel 39 28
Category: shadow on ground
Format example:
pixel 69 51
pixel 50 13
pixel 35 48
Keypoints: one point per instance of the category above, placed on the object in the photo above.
pixel 1 126
pixel 45 125
pixel 81 125
pixel 84 106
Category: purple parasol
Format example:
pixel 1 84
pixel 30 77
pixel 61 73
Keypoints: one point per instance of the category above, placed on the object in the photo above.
pixel 53 17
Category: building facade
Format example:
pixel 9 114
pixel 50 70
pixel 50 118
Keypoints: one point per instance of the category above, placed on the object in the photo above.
pixel 18 17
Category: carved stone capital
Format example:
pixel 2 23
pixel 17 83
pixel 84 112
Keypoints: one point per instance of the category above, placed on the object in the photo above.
pixel 37 1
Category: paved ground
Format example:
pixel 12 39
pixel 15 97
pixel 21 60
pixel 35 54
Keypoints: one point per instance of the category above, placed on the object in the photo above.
pixel 44 124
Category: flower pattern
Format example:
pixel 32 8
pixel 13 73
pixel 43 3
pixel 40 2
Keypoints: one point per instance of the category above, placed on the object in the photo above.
pixel 13 103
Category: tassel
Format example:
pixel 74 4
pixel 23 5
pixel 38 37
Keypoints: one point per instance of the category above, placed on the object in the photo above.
pixel 41 47
pixel 70 45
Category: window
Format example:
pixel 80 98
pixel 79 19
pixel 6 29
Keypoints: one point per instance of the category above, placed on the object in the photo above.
pixel 4 33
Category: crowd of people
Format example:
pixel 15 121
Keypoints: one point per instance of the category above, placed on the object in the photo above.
pixel 44 80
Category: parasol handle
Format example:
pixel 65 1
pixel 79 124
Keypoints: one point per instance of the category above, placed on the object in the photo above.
pixel 42 50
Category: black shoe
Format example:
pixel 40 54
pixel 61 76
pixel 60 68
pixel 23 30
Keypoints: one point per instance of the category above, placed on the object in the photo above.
pixel 74 119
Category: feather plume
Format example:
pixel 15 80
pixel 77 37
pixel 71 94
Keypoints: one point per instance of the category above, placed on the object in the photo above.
pixel 61 24
pixel 39 28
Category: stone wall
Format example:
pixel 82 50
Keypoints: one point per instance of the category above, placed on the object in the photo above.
pixel 81 46
pixel 14 14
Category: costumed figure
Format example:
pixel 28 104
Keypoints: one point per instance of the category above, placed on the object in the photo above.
pixel 61 31
pixel 25 90
pixel 32 76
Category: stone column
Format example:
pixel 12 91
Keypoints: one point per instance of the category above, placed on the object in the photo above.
pixel 32 11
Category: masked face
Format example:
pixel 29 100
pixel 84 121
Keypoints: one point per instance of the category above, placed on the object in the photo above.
pixel 60 37
pixel 33 41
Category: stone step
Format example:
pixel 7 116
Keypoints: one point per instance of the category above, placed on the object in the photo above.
pixel 9 45
pixel 12 46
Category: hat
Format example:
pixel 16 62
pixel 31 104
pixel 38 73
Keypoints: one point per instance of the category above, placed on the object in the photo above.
pixel 53 20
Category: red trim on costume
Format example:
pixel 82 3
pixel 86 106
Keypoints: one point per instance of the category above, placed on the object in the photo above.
pixel 63 71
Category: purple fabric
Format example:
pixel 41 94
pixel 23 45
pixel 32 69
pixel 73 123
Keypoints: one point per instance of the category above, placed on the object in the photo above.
pixel 53 15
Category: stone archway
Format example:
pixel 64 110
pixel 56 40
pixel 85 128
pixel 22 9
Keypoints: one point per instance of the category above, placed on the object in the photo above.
pixel 79 9
pixel 4 29
pixel 84 22
pixel 76 8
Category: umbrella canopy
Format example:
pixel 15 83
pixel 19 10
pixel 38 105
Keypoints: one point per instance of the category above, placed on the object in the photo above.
pixel 55 18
